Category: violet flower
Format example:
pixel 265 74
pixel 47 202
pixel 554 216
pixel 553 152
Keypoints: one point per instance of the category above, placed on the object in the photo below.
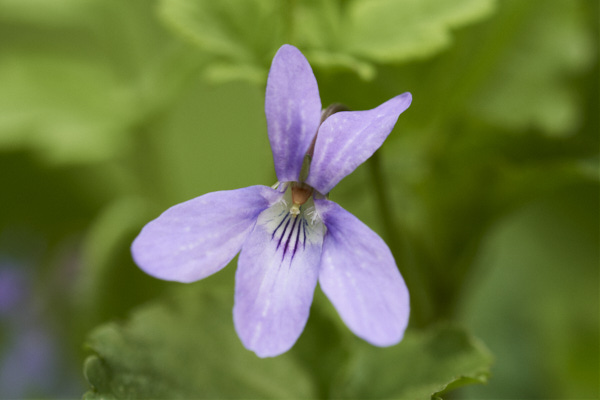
pixel 291 235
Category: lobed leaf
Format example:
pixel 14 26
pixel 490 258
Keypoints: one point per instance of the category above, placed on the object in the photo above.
pixel 425 365
pixel 186 347
pixel 335 34
pixel 391 31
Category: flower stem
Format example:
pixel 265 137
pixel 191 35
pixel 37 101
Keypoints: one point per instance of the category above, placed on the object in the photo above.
pixel 400 246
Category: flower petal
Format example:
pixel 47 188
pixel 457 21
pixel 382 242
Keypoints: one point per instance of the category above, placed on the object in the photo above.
pixel 275 280
pixel 358 274
pixel 197 238
pixel 293 109
pixel 348 138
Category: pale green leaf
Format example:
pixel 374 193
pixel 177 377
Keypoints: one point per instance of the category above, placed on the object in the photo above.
pixel 339 61
pixel 425 364
pixel 335 34
pixel 66 109
pixel 530 87
pixel 78 76
pixel 391 31
pixel 242 35
pixel 186 347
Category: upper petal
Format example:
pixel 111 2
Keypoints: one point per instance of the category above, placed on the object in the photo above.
pixel 293 110
pixel 348 138
pixel 358 274
pixel 197 238
pixel 275 280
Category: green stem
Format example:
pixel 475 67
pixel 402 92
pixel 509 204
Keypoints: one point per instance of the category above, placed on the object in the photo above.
pixel 400 246
pixel 384 203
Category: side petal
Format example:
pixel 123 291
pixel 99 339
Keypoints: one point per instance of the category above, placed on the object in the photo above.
pixel 275 281
pixel 358 274
pixel 197 238
pixel 348 138
pixel 293 110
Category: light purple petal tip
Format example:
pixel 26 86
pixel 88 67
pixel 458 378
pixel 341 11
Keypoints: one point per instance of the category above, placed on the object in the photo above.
pixel 293 110
pixel 197 238
pixel 346 139
pixel 358 274
pixel 275 281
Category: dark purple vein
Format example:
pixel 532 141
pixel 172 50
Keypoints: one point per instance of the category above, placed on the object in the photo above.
pixel 287 242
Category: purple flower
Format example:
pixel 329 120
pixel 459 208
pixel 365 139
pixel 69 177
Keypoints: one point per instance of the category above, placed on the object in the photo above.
pixel 291 236
pixel 13 289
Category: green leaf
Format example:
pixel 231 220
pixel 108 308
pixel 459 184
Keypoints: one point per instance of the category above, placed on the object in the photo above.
pixel 186 347
pixel 535 298
pixel 548 44
pixel 424 365
pixel 106 242
pixel 339 61
pixel 78 76
pixel 195 144
pixel 389 31
pixel 334 34
pixel 67 109
pixel 240 35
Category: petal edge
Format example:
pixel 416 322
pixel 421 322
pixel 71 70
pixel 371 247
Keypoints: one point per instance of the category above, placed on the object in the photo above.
pixel 293 110
pixel 359 276
pixel 197 238
pixel 348 138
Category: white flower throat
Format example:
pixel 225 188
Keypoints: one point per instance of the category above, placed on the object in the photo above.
pixel 294 227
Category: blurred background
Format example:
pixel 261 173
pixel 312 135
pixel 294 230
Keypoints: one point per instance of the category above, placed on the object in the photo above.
pixel 487 192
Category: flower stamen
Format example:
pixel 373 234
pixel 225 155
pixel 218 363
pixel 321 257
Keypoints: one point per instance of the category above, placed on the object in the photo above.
pixel 300 195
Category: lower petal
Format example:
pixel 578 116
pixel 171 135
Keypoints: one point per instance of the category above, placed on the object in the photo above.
pixel 359 275
pixel 276 279
pixel 197 238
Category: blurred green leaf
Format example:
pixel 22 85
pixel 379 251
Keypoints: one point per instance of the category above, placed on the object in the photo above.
pixel 334 34
pixel 65 109
pixel 77 77
pixel 43 13
pixel 535 301
pixel 453 190
pixel 186 347
pixel 332 61
pixel 424 365
pixel 108 239
pixel 540 47
pixel 214 138
pixel 390 31
pixel 239 35
pixel 318 28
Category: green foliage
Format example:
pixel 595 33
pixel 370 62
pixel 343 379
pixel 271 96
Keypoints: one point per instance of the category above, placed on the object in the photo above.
pixel 73 90
pixel 548 285
pixel 185 347
pixel 547 45
pixel 334 34
pixel 236 48
pixel 388 31
pixel 111 111
pixel 426 365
